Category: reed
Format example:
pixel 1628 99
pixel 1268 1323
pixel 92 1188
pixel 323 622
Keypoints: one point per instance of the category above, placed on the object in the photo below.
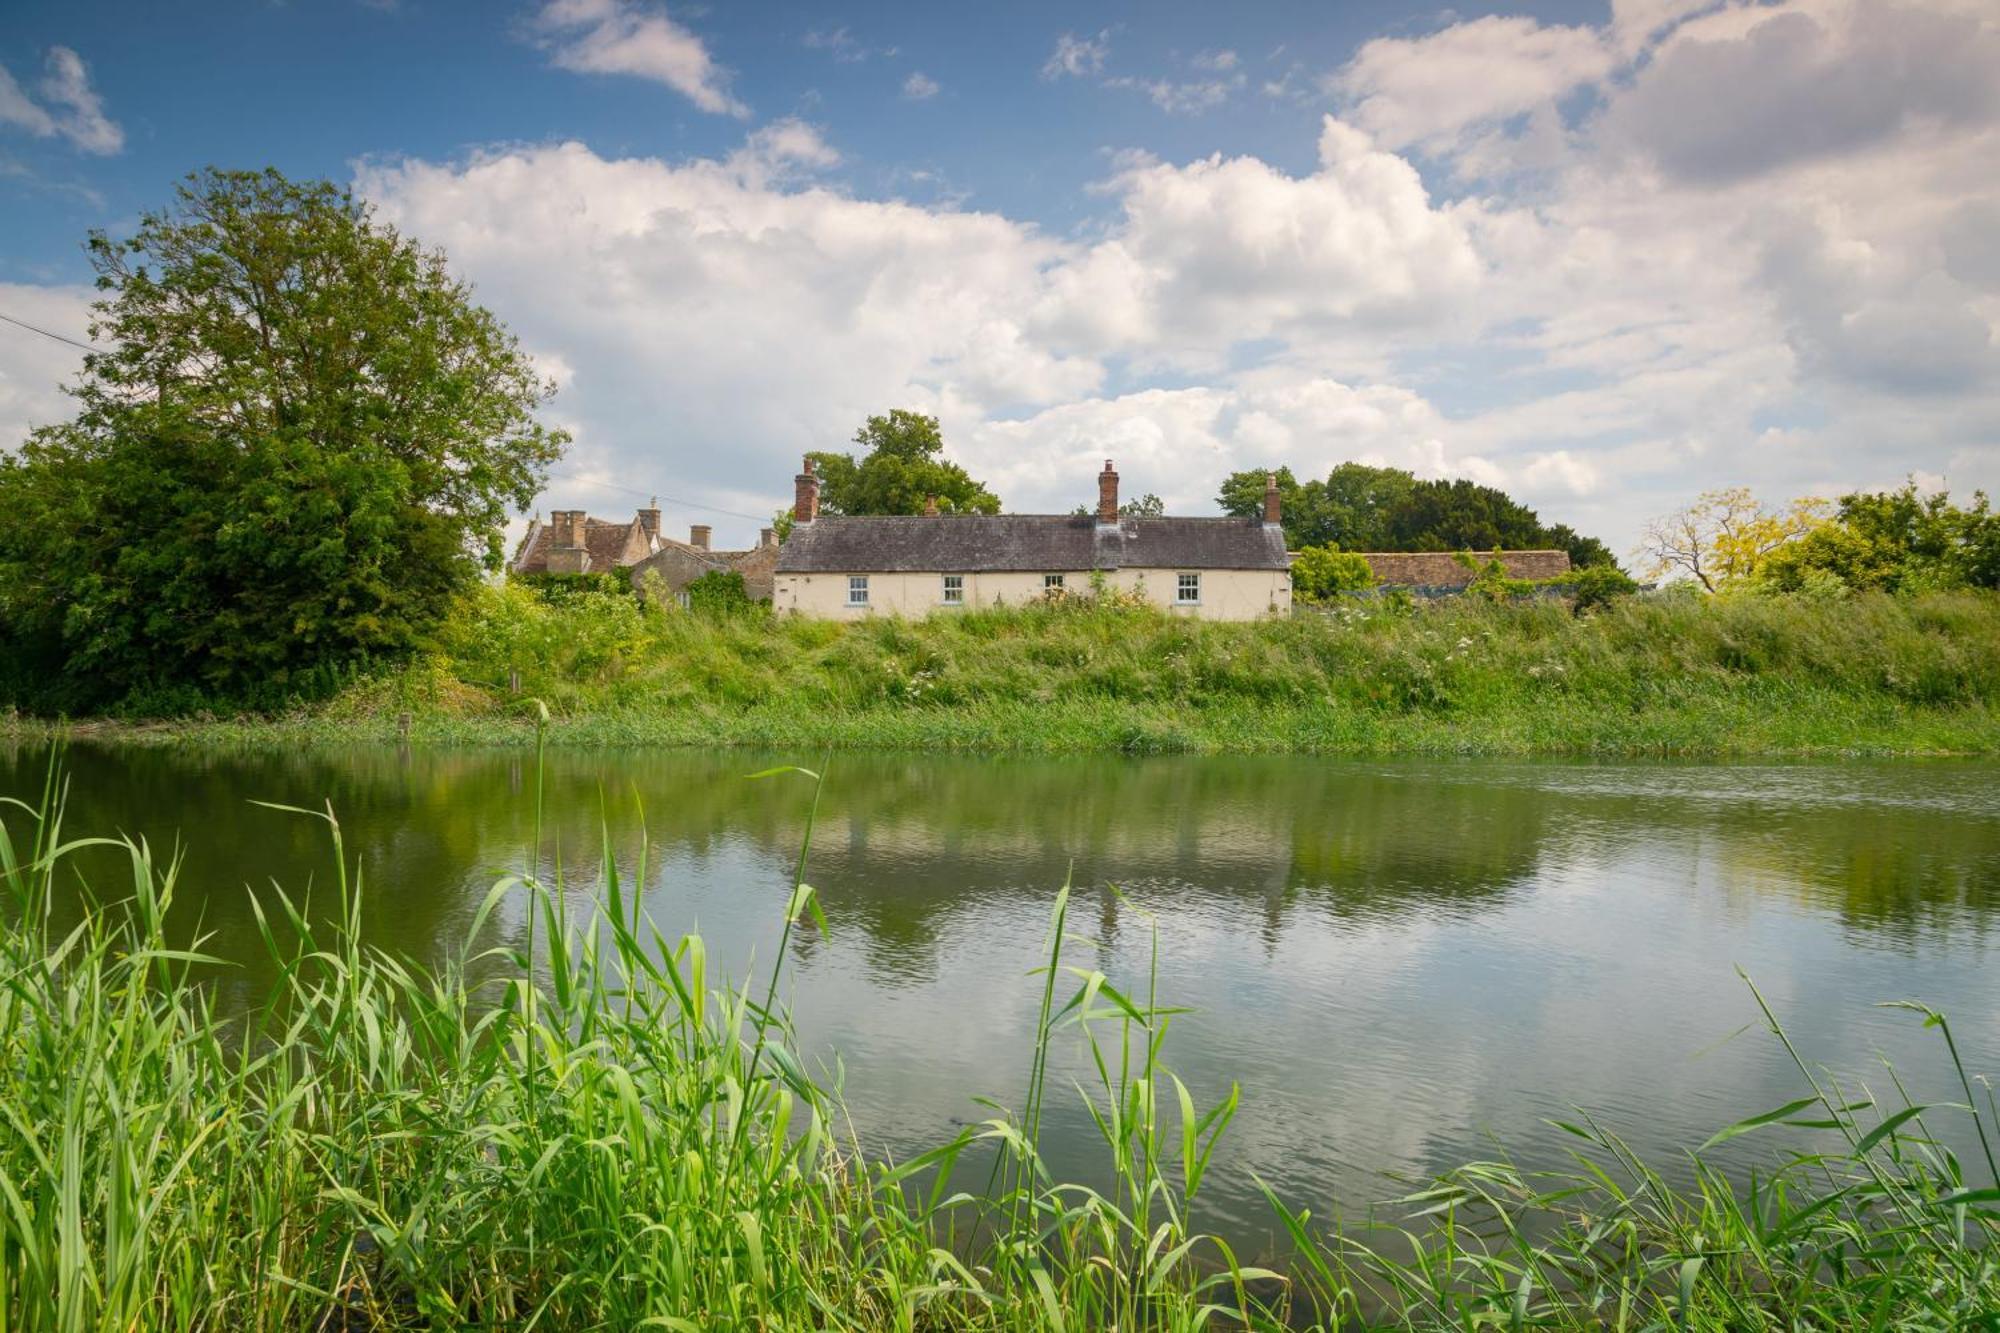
pixel 593 1128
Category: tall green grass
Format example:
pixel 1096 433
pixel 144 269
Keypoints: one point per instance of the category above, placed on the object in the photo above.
pixel 1664 674
pixel 605 1132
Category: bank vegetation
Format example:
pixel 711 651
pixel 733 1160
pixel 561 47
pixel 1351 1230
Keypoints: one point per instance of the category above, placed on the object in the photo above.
pixel 1669 673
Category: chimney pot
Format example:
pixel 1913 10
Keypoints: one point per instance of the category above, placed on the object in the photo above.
pixel 1271 516
pixel 1107 496
pixel 698 535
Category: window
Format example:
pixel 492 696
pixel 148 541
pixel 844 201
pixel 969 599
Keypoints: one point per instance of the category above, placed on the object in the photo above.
pixel 1187 590
pixel 1051 582
pixel 954 590
pixel 857 590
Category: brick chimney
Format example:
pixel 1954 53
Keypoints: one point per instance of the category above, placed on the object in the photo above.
pixel 649 519
pixel 767 537
pixel 805 495
pixel 1271 519
pixel 1107 497
pixel 698 535
pixel 930 506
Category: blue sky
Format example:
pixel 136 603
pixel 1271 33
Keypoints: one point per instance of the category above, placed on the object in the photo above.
pixel 1603 255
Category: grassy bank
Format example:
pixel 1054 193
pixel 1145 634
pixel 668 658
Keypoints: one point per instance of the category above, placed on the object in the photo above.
pixel 603 1134
pixel 1660 675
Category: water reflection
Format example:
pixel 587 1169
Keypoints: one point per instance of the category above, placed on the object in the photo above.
pixel 1402 962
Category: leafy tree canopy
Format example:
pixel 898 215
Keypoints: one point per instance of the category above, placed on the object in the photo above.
pixel 901 469
pixel 1362 508
pixel 1894 541
pixel 1725 537
pixel 298 447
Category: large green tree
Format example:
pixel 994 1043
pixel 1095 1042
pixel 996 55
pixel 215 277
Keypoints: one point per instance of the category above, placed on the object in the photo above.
pixel 902 468
pixel 299 444
pixel 1362 508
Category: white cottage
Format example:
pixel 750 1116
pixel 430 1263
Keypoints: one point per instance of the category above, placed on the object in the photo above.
pixel 1210 568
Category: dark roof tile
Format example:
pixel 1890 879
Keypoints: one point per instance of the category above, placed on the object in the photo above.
pixel 972 543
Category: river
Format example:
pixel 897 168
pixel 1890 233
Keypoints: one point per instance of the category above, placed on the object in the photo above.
pixel 1406 965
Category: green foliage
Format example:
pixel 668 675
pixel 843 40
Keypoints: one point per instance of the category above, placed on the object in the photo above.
pixel 557 589
pixel 718 593
pixel 1596 586
pixel 1658 673
pixel 298 454
pixel 1892 541
pixel 901 470
pixel 1320 573
pixel 1362 508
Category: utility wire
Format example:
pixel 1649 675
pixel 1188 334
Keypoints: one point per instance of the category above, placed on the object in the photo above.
pixel 658 495
pixel 566 476
pixel 23 324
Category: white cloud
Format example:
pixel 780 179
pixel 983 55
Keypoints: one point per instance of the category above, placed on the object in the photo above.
pixel 719 322
pixel 1182 96
pixel 839 43
pixel 1427 90
pixel 1741 94
pixel 33 368
pixel 20 110
pixel 1226 250
pixel 920 87
pixel 624 37
pixel 1075 57
pixel 783 149
pixel 1180 443
pixel 70 107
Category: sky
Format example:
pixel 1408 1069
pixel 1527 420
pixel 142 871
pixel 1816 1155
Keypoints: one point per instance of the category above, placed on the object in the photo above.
pixel 1604 256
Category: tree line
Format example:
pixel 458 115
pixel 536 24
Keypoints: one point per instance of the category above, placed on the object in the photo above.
pixel 1899 541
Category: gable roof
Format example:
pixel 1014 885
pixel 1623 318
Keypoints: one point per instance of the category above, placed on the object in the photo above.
pixel 1053 543
pixel 612 545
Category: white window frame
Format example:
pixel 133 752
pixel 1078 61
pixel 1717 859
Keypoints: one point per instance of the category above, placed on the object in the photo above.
pixel 1051 581
pixel 952 590
pixel 857 590
pixel 1181 581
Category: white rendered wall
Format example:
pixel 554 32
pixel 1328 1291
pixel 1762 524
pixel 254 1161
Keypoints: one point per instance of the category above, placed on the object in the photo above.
pixel 1226 594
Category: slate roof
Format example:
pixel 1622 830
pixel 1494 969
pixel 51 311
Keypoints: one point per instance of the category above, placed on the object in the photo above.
pixel 1051 543
pixel 1440 569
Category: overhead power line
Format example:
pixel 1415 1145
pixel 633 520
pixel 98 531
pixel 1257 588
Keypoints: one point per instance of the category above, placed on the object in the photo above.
pixel 23 324
pixel 660 495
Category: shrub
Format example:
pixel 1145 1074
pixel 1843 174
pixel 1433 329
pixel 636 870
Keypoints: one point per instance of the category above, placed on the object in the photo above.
pixel 1323 572
pixel 718 593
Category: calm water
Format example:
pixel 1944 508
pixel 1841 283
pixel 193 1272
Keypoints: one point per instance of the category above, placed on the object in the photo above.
pixel 1404 964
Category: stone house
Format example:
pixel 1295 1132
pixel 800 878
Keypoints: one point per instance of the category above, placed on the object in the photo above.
pixel 676 564
pixel 1439 574
pixel 1208 568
